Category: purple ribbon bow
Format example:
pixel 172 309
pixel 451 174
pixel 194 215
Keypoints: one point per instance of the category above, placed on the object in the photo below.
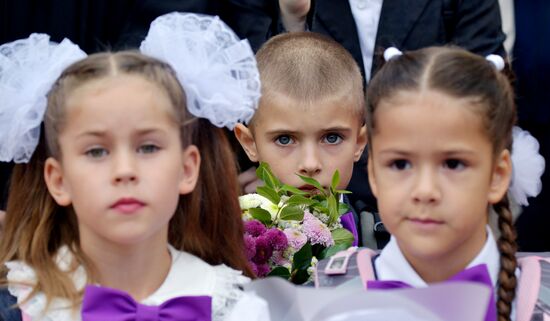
pixel 477 274
pixel 102 304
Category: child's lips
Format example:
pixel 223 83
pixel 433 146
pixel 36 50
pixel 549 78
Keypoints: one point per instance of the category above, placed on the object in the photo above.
pixel 127 205
pixel 426 223
pixel 309 189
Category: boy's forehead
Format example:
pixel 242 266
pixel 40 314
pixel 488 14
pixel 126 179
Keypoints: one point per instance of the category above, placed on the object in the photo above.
pixel 276 103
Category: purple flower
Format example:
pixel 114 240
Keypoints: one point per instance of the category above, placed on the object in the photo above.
pixel 254 268
pixel 254 228
pixel 250 246
pixel 263 270
pixel 264 250
pixel 316 231
pixel 277 239
pixel 296 239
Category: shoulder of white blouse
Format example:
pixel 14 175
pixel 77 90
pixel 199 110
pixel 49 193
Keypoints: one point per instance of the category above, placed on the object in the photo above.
pixel 228 289
pixel 21 278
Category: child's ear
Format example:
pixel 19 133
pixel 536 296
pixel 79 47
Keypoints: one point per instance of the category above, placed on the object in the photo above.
pixel 361 142
pixel 191 168
pixel 372 178
pixel 501 177
pixel 55 181
pixel 246 139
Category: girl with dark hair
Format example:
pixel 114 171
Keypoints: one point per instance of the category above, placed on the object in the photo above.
pixel 440 122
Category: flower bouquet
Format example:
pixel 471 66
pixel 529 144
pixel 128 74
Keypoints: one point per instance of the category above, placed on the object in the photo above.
pixel 288 230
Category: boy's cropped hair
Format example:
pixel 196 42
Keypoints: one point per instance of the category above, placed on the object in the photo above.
pixel 310 68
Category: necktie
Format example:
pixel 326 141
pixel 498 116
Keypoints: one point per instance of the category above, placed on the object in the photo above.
pixel 477 274
pixel 102 304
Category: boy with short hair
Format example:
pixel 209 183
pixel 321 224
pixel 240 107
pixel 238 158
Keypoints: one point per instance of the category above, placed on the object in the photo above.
pixel 311 116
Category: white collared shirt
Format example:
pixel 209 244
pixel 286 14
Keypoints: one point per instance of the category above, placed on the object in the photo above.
pixel 188 276
pixel 392 264
pixel 366 14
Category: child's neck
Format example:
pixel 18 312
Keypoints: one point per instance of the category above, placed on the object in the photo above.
pixel 138 270
pixel 443 267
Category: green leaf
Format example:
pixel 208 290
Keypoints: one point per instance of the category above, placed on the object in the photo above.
pixel 269 193
pixel 335 180
pixel 292 213
pixel 342 236
pixel 293 190
pixel 302 258
pixel 300 276
pixel 342 191
pixel 266 175
pixel 312 182
pixel 261 215
pixel 330 251
pixel 332 208
pixel 299 200
pixel 280 271
pixel 343 208
pixel 320 208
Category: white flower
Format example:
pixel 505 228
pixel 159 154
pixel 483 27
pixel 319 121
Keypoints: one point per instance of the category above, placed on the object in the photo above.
pixel 271 208
pixel 250 201
pixel 254 200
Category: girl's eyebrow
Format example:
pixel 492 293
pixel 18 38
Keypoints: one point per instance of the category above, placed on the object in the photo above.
pixel 103 133
pixel 447 153
pixel 394 151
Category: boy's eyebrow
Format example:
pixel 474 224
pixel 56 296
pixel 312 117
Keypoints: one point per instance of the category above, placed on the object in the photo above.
pixel 282 131
pixel 294 132
pixel 337 129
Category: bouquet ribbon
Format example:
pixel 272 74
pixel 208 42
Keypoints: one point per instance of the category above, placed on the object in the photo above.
pixel 102 304
pixel 348 222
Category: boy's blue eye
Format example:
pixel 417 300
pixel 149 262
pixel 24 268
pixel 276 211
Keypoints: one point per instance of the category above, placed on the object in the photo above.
pixel 333 138
pixel 148 148
pixel 454 164
pixel 284 140
pixel 400 164
pixel 97 152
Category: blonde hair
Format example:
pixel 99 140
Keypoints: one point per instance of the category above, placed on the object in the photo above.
pixel 309 68
pixel 207 222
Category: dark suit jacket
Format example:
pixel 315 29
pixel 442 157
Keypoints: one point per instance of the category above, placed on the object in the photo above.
pixel 408 25
pixel 7 310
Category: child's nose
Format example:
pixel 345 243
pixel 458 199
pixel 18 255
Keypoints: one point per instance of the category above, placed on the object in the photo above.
pixel 426 189
pixel 124 168
pixel 310 163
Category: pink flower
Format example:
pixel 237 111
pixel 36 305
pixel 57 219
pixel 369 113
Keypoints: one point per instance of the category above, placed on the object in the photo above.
pixel 277 239
pixel 296 239
pixel 250 246
pixel 254 228
pixel 264 250
pixel 316 231
pixel 279 259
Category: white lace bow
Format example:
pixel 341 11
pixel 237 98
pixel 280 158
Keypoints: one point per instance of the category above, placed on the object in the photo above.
pixel 528 167
pixel 217 70
pixel 28 69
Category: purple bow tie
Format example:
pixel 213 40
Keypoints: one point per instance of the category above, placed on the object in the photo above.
pixel 102 304
pixel 477 274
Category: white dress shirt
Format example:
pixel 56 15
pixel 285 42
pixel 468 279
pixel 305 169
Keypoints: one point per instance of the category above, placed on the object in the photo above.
pixel 366 14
